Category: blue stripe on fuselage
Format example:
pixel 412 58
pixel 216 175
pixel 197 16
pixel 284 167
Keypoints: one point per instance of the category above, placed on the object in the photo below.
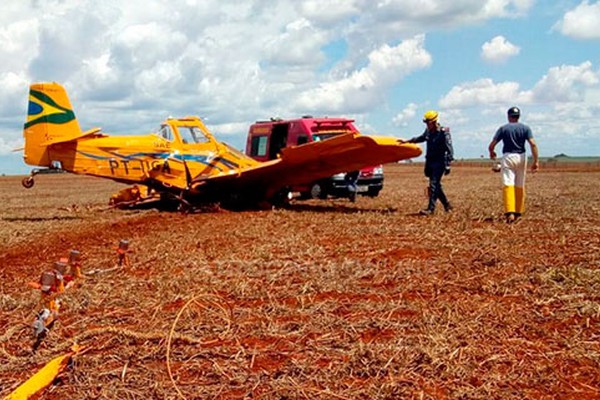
pixel 227 162
pixel 158 156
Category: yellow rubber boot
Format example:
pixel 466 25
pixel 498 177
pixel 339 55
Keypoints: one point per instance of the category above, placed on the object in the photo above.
pixel 519 199
pixel 509 199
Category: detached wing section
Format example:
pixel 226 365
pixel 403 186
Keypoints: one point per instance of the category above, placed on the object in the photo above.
pixel 317 160
pixel 310 162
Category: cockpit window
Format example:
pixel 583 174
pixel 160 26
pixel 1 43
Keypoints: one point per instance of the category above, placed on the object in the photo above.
pixel 191 134
pixel 165 132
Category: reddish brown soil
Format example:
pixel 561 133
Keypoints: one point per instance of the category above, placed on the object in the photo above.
pixel 324 300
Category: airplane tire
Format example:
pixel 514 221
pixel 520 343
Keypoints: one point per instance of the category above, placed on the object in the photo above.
pixel 28 182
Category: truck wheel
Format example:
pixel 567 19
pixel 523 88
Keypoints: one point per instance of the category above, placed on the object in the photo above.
pixel 373 192
pixel 317 191
pixel 282 198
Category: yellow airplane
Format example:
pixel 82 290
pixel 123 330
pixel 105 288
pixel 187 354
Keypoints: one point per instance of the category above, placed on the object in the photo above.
pixel 182 162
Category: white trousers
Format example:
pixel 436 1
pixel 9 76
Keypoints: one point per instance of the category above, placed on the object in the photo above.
pixel 514 166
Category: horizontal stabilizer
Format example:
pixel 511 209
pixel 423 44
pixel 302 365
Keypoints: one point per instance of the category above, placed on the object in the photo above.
pixel 91 132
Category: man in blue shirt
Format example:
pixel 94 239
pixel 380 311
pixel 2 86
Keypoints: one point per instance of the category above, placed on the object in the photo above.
pixel 513 136
pixel 438 156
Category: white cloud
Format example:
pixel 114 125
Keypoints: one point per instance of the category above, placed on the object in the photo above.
pixel 8 146
pixel 582 22
pixel 387 21
pixel 454 12
pixel 19 44
pixel 364 88
pixel 498 50
pixel 512 8
pixel 483 91
pixel 453 117
pixel 13 101
pixel 566 83
pixel 407 114
pixel 564 102
pixel 299 44
pixel 387 18
pixel 162 76
pixel 327 12
pixel 563 84
pixel 234 60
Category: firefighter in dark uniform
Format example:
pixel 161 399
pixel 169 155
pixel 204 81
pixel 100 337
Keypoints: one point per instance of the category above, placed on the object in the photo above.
pixel 438 157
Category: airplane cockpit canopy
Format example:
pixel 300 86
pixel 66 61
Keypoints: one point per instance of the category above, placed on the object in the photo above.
pixel 165 132
pixel 192 135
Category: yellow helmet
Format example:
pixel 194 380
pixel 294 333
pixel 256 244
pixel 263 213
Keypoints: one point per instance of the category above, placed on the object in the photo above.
pixel 430 116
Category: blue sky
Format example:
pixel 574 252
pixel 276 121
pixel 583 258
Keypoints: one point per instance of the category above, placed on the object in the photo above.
pixel 128 65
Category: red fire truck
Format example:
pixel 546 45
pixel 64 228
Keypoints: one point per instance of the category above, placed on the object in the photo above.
pixel 267 138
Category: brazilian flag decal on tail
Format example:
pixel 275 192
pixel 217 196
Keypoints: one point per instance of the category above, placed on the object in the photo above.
pixel 42 109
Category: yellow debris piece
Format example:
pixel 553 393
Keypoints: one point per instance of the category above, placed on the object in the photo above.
pixel 43 378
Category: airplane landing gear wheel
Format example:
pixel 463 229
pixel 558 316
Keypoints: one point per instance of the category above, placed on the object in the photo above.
pixel 28 182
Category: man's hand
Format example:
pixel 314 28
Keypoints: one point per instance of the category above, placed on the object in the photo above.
pixel 535 167
pixel 401 141
pixel 447 171
pixel 492 154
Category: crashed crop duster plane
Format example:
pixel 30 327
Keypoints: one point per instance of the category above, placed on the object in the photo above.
pixel 182 163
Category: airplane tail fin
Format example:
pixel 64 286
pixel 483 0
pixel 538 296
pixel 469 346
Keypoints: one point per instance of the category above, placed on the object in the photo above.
pixel 50 119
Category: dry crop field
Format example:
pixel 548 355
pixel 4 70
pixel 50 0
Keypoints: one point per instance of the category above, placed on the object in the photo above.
pixel 323 300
